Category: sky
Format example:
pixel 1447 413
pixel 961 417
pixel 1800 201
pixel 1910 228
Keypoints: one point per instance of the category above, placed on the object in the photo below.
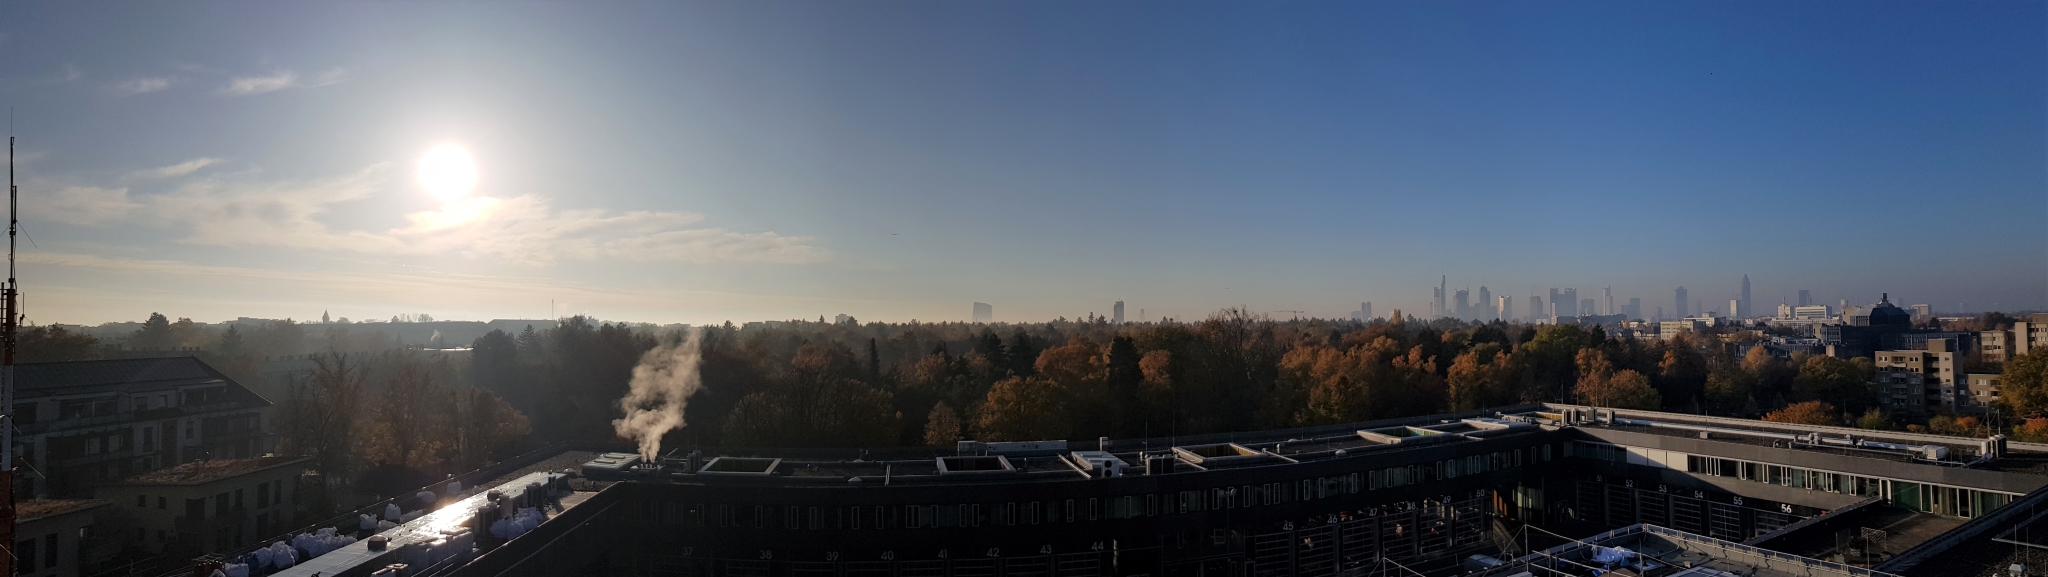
pixel 698 162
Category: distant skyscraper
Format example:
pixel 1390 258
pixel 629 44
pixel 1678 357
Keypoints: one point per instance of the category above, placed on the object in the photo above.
pixel 1485 300
pixel 1116 314
pixel 1535 307
pixel 1682 304
pixel 1805 297
pixel 1365 310
pixel 1567 303
pixel 1464 304
pixel 1550 311
pixel 1635 308
pixel 1437 306
pixel 984 313
pixel 1744 311
pixel 1585 307
pixel 1507 309
pixel 1735 308
pixel 323 317
pixel 1608 292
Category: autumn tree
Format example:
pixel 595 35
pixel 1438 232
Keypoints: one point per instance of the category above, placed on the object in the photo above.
pixel 942 427
pixel 1806 413
pixel 410 420
pixel 1834 380
pixel 1024 408
pixel 1601 386
pixel 2025 382
pixel 1480 378
pixel 486 426
pixel 818 401
pixel 1369 382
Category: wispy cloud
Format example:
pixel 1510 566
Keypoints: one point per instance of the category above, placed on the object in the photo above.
pixel 86 205
pixel 176 170
pixel 238 210
pixel 143 85
pixel 331 77
pixel 252 85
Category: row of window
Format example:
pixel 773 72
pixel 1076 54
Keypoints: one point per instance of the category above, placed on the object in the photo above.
pixel 1072 510
pixel 1915 496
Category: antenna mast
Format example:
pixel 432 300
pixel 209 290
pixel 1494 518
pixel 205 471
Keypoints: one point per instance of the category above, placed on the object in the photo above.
pixel 10 294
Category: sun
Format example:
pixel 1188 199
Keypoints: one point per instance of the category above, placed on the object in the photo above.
pixel 448 172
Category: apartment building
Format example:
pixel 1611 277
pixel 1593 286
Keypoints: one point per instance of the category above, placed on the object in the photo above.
pixel 83 423
pixel 1919 381
pixel 209 506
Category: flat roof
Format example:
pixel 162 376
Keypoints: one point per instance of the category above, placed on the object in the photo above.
pixel 202 472
pixel 40 508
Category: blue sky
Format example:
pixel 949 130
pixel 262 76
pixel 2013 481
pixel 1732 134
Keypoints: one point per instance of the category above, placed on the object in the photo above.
pixel 697 162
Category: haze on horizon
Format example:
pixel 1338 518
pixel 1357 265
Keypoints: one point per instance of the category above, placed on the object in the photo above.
pixel 710 161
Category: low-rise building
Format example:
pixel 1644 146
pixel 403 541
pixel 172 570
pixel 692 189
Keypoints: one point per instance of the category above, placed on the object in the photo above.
pixel 210 506
pixel 83 423
pixel 2003 344
pixel 1919 381
pixel 51 536
pixel 1668 329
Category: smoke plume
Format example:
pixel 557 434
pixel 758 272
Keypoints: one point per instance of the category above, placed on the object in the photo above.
pixel 661 387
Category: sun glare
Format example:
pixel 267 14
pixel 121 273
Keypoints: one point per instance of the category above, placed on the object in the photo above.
pixel 448 172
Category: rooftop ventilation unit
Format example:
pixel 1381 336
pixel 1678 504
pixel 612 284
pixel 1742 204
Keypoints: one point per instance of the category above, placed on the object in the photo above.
pixel 1100 463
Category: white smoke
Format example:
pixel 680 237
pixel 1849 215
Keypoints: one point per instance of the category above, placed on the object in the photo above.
pixel 661 387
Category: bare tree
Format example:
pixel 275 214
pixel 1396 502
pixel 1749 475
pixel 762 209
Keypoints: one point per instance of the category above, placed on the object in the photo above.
pixel 320 414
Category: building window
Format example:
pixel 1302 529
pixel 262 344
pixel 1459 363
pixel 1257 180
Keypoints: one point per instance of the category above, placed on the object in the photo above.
pixel 27 549
pixel 141 500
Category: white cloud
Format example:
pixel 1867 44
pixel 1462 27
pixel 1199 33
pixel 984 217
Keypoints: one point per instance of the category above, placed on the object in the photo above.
pixel 526 230
pixel 237 210
pixel 176 170
pixel 251 85
pixel 87 205
pixel 143 85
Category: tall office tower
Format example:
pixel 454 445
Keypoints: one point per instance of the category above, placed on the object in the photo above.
pixel 1116 313
pixel 1635 308
pixel 984 313
pixel 1443 289
pixel 1683 304
pixel 1552 310
pixel 1366 309
pixel 1567 303
pixel 1608 291
pixel 1464 310
pixel 1585 307
pixel 1744 310
pixel 1507 309
pixel 1535 307
pixel 1485 300
pixel 1805 297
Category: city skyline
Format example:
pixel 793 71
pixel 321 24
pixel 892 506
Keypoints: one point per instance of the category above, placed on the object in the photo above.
pixel 679 163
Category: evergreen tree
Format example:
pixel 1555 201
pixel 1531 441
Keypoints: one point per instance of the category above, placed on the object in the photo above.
pixel 874 363
pixel 1125 377
pixel 154 334
pixel 1023 356
pixel 991 347
pixel 231 341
